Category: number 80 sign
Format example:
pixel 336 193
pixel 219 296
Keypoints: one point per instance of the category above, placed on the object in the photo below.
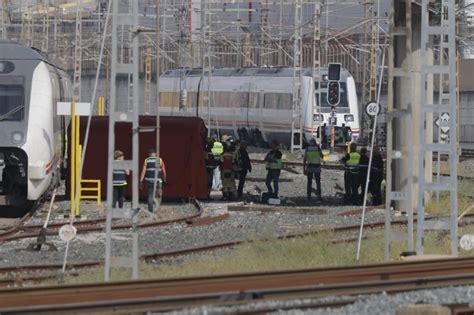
pixel 372 109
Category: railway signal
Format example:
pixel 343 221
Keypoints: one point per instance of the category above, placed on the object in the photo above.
pixel 333 95
pixel 334 76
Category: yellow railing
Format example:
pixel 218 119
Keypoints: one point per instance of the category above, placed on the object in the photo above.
pixel 101 106
pixel 96 189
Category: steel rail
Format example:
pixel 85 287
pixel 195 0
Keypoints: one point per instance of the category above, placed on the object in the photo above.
pixel 178 293
pixel 89 226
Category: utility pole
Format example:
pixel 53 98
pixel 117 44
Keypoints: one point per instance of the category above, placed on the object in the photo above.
pixel 206 21
pixel 4 20
pixel 76 85
pixel 264 40
pixel 316 70
pixel 129 21
pixel 297 121
pixel 438 60
pixel 400 117
pixel 45 39
pixel 369 74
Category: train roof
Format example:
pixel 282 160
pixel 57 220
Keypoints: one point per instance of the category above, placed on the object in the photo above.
pixel 264 72
pixel 14 50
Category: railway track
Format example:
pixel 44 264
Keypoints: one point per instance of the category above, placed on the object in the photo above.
pixel 173 294
pixel 20 275
pixel 20 231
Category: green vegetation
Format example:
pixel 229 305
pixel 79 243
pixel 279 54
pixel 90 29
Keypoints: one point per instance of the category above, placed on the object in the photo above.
pixel 465 198
pixel 304 252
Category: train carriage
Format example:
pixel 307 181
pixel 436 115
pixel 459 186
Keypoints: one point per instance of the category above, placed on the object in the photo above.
pixel 32 136
pixel 260 99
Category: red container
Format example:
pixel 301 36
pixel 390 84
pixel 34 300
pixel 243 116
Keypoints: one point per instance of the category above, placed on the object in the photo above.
pixel 182 143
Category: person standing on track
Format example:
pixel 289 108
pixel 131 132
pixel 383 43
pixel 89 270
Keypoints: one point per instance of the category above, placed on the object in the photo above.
pixel 273 164
pixel 351 175
pixel 242 165
pixel 217 150
pixel 148 174
pixel 376 176
pixel 119 181
pixel 312 167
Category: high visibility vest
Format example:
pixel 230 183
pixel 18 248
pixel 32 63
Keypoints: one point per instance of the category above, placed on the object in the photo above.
pixel 119 178
pixel 274 164
pixel 352 165
pixel 313 155
pixel 151 168
pixel 217 148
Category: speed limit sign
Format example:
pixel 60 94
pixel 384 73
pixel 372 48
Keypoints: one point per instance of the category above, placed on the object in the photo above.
pixel 372 109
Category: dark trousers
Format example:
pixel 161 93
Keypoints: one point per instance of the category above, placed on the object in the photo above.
pixel 375 188
pixel 273 176
pixel 210 174
pixel 118 196
pixel 351 184
pixel 317 178
pixel 240 188
pixel 151 198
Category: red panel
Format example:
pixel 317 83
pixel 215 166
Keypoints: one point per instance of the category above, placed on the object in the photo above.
pixel 181 148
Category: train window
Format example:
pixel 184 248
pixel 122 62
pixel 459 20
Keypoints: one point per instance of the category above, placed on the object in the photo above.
pixel 343 97
pixel 12 102
pixel 227 99
pixel 277 101
pixel 6 67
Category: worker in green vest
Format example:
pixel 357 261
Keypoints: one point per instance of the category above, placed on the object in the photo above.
pixel 217 150
pixel 351 175
pixel 273 164
pixel 312 168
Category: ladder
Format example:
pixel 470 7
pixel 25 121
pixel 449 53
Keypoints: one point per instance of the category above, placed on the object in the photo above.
pixel 297 121
pixel 438 103
pixel 399 193
pixel 129 21
pixel 316 72
pixel 147 95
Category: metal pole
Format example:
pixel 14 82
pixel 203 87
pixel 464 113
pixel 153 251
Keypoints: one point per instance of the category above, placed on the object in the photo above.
pixel 157 95
pixel 370 162
pixel 113 100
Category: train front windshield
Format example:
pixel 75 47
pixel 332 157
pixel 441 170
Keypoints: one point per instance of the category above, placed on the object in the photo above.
pixel 342 98
pixel 11 102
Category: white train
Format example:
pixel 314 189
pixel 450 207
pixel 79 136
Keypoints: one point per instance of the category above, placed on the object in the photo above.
pixel 260 99
pixel 32 136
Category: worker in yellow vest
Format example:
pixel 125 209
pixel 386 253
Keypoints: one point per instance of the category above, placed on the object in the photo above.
pixel 273 164
pixel 312 168
pixel 351 175
pixel 217 150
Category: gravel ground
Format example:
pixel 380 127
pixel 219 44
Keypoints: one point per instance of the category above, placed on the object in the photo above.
pixel 242 225
pixel 381 304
